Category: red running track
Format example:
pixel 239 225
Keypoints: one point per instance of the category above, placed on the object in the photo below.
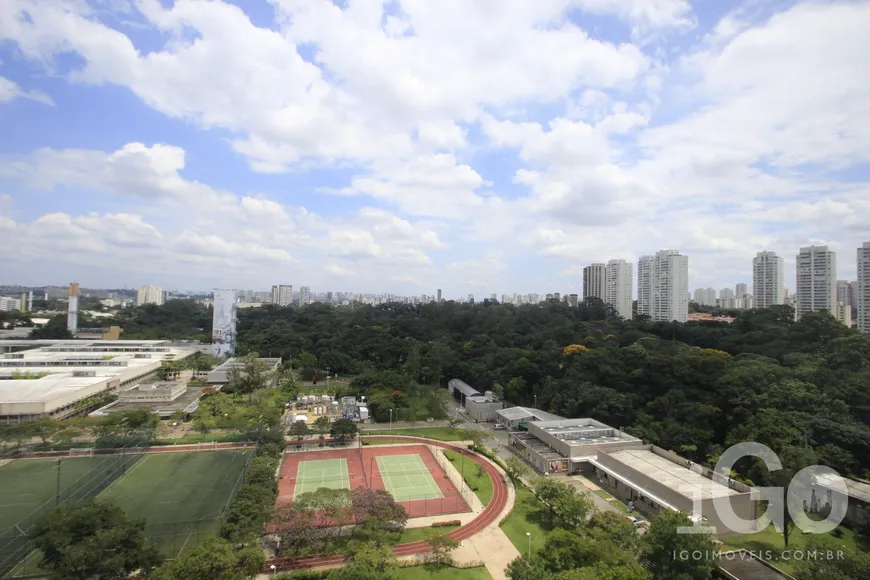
pixel 486 517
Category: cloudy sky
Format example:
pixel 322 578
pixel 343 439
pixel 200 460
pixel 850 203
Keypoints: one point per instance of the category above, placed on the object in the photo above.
pixel 478 146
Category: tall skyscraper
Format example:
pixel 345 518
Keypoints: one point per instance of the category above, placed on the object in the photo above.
pixel 594 277
pixel 618 286
pixel 740 290
pixel 72 314
pixel 767 280
pixel 726 294
pixel 304 295
pixel 149 294
pixel 816 270
pixel 863 290
pixel 663 286
pixel 223 333
pixel 439 296
pixel 645 285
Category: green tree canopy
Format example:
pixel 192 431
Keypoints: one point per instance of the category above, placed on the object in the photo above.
pixel 93 539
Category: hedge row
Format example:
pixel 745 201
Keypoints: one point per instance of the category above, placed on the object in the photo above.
pixel 249 510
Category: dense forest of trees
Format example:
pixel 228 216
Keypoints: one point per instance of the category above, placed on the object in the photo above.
pixel 799 387
pixel 177 320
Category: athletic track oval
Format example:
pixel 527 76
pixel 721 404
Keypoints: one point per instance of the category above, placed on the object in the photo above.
pixel 489 514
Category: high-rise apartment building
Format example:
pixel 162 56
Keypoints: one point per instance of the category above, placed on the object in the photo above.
pixel 863 290
pixel 843 313
pixel 282 295
pixel 767 280
pixel 149 295
pixel 439 295
pixel 618 286
pixel 663 286
pixel 816 269
pixel 740 290
pixel 726 294
pixel 844 292
pixel 572 300
pixel 594 281
pixel 304 295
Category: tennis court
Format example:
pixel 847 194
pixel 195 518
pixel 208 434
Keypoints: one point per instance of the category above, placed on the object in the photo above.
pixel 312 475
pixel 407 478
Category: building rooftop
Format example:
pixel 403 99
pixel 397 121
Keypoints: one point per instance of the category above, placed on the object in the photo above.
pixel 583 432
pixel 856 489
pixel 667 473
pixel 46 388
pixel 188 402
pixel 526 414
pixel 464 388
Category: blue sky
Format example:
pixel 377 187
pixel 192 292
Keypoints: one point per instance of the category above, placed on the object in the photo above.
pixel 406 146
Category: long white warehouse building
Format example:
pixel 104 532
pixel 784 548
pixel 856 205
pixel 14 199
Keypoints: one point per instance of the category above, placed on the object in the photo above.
pixel 54 378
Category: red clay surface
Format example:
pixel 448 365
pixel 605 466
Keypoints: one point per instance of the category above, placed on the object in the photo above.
pixel 486 517
pixel 364 472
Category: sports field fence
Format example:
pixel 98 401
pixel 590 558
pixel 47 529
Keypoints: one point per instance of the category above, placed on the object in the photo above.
pixel 17 556
pixel 454 476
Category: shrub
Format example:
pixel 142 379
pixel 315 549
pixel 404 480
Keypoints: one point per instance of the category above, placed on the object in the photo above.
pixel 447 523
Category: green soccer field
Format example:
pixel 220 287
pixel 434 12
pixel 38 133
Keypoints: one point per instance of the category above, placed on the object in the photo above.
pixel 28 484
pixel 312 475
pixel 407 478
pixel 181 495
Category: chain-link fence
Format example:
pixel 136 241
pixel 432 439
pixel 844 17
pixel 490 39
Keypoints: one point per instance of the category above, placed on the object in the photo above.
pixel 14 542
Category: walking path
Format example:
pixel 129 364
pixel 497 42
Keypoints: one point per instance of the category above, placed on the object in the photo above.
pixel 584 484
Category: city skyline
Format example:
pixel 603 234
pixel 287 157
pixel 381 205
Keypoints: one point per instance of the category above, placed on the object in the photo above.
pixel 403 154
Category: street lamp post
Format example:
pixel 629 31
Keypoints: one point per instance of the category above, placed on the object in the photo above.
pixel 327 380
pixel 536 401
pixel 391 419
pixel 57 496
pixel 529 535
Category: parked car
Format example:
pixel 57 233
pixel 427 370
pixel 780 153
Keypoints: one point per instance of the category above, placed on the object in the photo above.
pixel 500 427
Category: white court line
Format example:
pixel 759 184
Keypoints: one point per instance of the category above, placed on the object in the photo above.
pixel 126 475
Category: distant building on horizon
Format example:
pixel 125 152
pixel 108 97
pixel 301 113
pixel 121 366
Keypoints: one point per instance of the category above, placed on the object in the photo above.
pixel 767 280
pixel 223 333
pixel 663 286
pixel 619 287
pixel 149 294
pixel 304 295
pixel 816 273
pixel 282 294
pixel 72 315
pixel 863 288
pixel 594 281
pixel 438 299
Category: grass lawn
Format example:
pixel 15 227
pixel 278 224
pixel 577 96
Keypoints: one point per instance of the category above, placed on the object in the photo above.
pixel 416 534
pixel 603 494
pixel 444 573
pixel 528 515
pixel 771 540
pixel 440 433
pixel 180 494
pixel 481 484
